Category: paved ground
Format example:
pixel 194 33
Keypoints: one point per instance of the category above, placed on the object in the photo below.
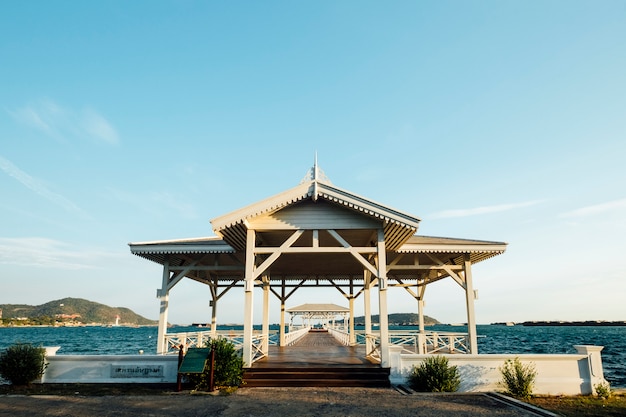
pixel 281 402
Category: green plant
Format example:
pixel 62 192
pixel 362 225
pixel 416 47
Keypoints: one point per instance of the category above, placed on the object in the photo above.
pixel 22 363
pixel 228 370
pixel 434 375
pixel 603 390
pixel 518 378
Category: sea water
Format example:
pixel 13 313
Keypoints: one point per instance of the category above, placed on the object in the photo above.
pixel 492 339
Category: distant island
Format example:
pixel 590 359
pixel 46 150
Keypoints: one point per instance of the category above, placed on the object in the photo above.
pixel 69 312
pixel 574 323
pixel 559 323
pixel 398 319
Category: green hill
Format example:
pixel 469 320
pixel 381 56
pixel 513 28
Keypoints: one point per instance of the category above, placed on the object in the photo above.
pixel 399 319
pixel 73 310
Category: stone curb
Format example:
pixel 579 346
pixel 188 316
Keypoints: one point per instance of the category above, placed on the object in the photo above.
pixel 520 404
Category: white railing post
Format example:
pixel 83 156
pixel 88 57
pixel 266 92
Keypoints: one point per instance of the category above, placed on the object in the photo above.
pixel 594 360
pixel 421 343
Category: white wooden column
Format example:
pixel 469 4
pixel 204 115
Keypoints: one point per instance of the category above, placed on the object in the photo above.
pixel 420 307
pixel 367 307
pixel 469 300
pixel 382 300
pixel 214 317
pixel 248 311
pixel 351 333
pixel 164 296
pixel 282 321
pixel 266 314
pixel 421 337
pixel 213 303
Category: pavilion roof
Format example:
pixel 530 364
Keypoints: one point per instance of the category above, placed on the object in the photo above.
pixel 478 250
pixel 224 254
pixel 179 250
pixel 398 226
pixel 161 250
pixel 318 308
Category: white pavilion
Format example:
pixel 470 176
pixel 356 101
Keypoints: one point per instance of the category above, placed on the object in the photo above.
pixel 317 235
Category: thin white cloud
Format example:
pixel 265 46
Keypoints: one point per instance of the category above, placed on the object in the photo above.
pixel 31 117
pixel 64 123
pixel 596 209
pixel 476 211
pixel 37 186
pixel 177 204
pixel 42 252
pixel 157 203
pixel 98 127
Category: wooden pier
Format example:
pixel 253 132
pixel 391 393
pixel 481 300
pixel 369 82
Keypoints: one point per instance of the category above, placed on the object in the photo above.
pixel 316 360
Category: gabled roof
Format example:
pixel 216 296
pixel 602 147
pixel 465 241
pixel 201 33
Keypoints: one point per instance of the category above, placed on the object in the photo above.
pixel 398 226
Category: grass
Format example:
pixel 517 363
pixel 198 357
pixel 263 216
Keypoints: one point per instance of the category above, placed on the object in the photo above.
pixel 584 406
pixel 588 406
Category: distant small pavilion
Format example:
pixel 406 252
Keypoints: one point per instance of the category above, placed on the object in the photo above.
pixel 316 235
pixel 325 313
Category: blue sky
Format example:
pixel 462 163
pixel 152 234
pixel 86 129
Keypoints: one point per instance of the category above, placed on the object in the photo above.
pixel 132 121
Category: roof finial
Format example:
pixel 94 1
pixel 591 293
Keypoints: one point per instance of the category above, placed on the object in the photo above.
pixel 315 173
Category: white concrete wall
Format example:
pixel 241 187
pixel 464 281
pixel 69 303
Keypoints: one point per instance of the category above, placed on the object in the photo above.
pixel 570 374
pixel 121 369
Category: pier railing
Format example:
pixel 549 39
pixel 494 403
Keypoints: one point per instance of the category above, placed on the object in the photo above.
pixel 200 338
pixel 431 342
pixel 260 342
pixel 341 336
pixel 186 340
pixel 411 342
pixel 292 337
pixel 372 346
pixel 415 342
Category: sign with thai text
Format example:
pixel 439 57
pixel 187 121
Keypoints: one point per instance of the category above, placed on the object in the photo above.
pixel 136 371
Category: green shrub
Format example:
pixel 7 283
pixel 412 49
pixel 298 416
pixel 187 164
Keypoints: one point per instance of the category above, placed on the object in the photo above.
pixel 603 390
pixel 22 363
pixel 228 367
pixel 434 375
pixel 517 378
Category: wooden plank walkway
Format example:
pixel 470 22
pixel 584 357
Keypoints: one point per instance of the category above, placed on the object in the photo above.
pixel 315 349
pixel 316 360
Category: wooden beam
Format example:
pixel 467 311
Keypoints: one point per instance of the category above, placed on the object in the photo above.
pixel 424 267
pixel 269 261
pixel 448 269
pixel 175 279
pixel 354 251
pixel 210 268
pixel 319 249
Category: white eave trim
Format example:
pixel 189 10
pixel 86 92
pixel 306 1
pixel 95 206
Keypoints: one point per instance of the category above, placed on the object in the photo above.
pixel 367 206
pixel 177 246
pixel 177 249
pixel 270 204
pixel 442 248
